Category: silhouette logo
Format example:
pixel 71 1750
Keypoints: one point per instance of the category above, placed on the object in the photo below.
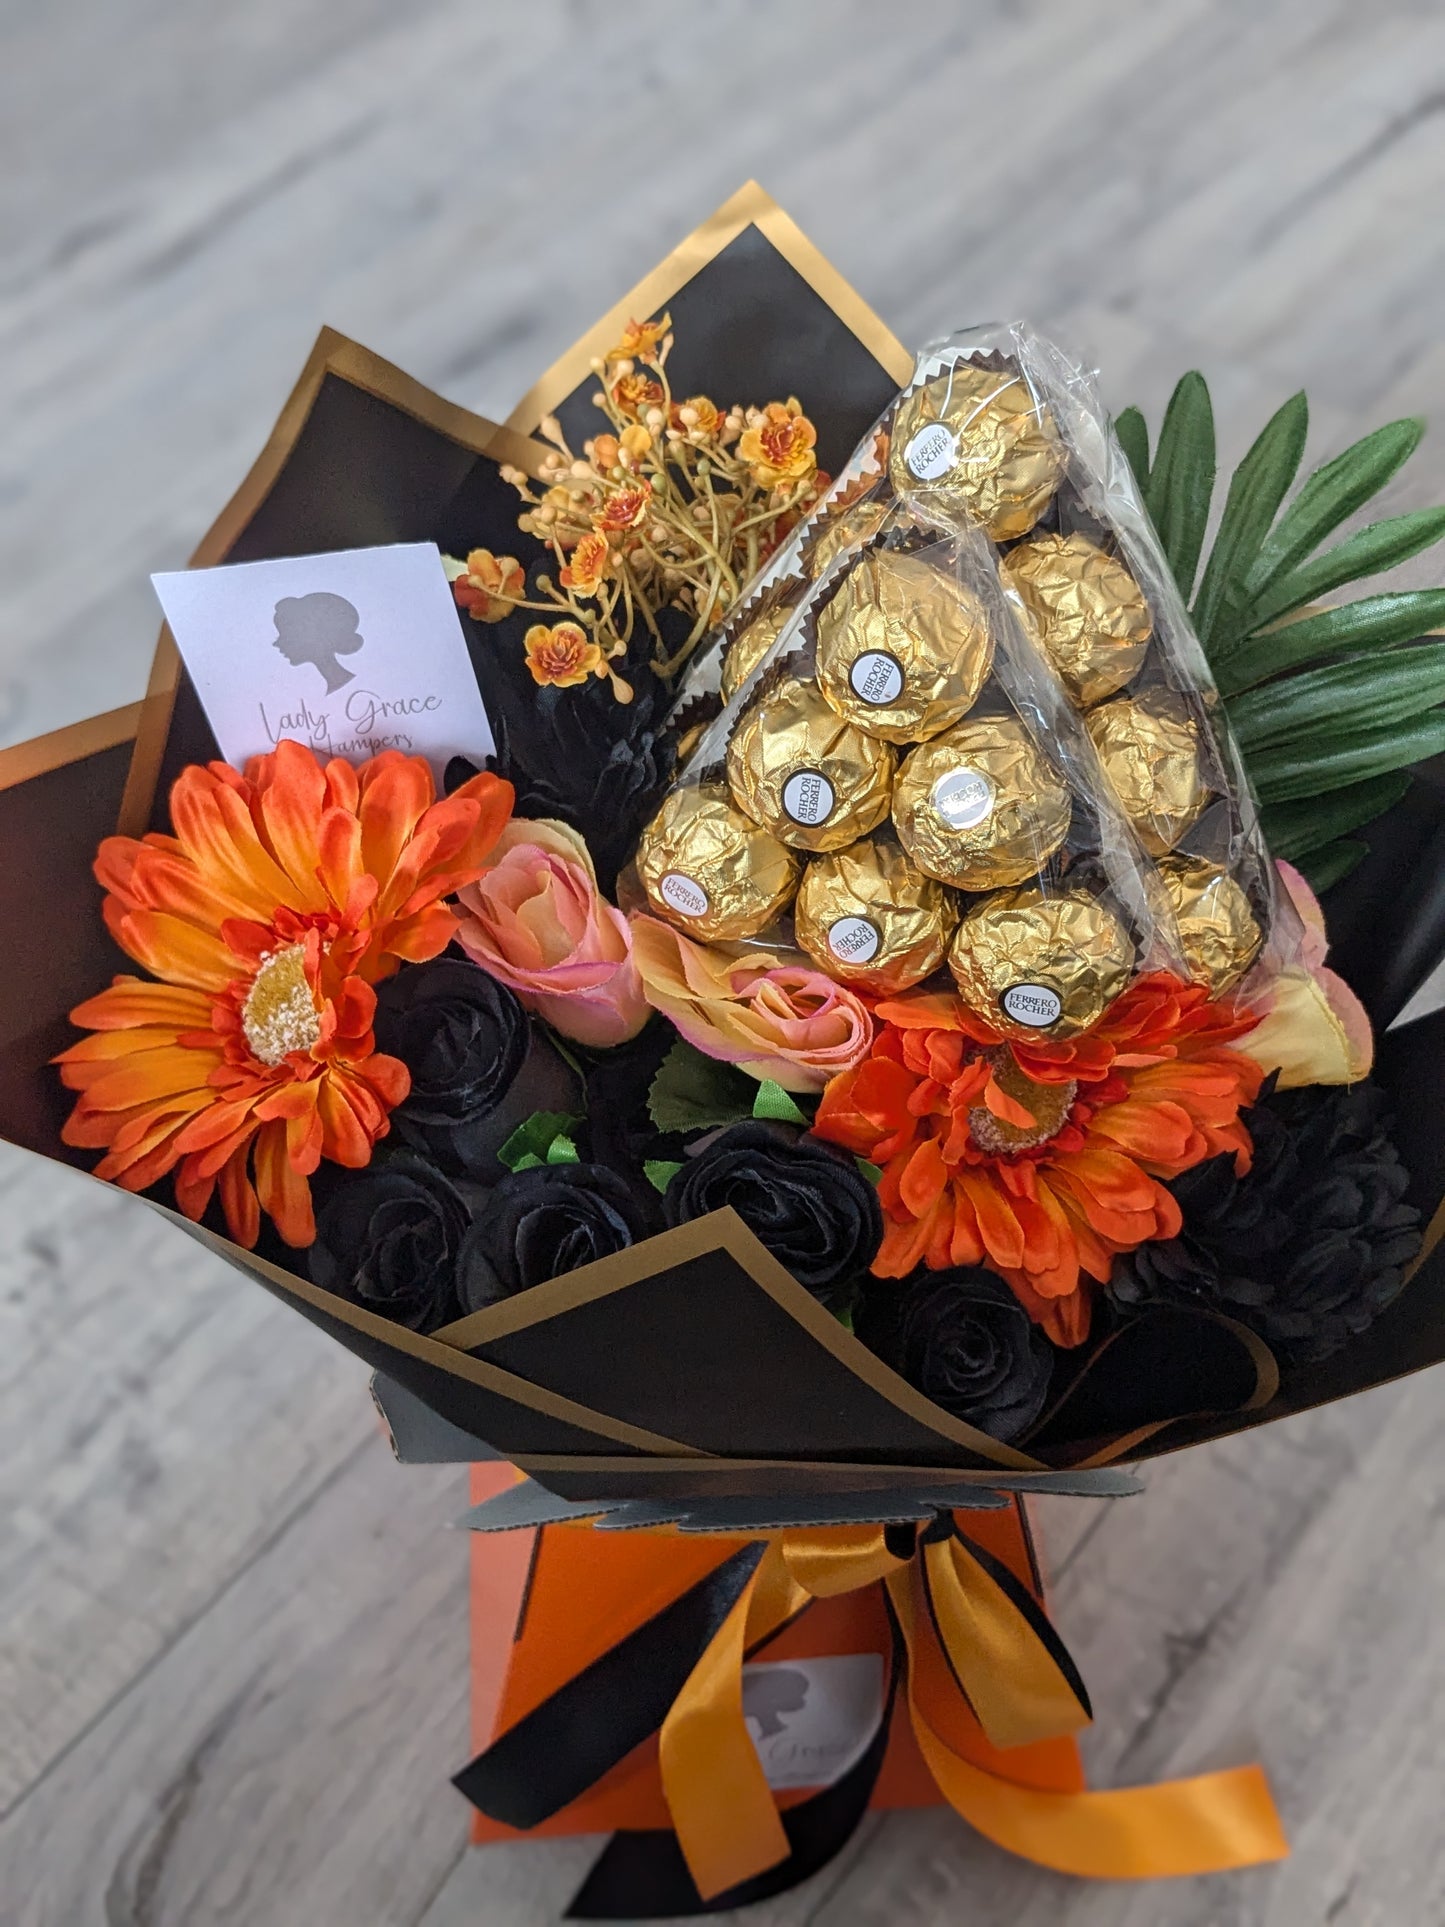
pixel 318 628
pixel 769 1693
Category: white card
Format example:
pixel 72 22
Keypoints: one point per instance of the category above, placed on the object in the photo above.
pixel 352 653
pixel 812 1719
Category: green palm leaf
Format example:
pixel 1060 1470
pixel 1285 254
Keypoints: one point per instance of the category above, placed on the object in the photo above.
pixel 1331 705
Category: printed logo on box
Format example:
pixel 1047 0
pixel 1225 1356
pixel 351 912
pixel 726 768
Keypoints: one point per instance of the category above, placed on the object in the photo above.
pixel 1032 1004
pixel 808 797
pixel 352 653
pixel 931 452
pixel 812 1719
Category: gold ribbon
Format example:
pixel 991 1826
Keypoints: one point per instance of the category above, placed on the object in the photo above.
pixel 973 1652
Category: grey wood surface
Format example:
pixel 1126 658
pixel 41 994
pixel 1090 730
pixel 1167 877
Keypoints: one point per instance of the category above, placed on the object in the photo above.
pixel 232 1633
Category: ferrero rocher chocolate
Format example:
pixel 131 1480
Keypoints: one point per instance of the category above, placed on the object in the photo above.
pixel 979 807
pixel 1218 929
pixel 750 645
pixel 711 870
pixel 1085 608
pixel 973 446
pixel 903 647
pixel 1040 966
pixel 1149 746
pixel 868 917
pixel 850 528
pixel 798 769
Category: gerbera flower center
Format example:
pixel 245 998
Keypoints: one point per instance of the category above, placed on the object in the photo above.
pixel 1049 1105
pixel 280 1015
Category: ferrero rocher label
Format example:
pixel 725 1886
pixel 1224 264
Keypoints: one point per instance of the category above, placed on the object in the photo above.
pixel 1150 749
pixel 1217 928
pixel 866 916
pixel 796 767
pixel 973 446
pixel 1040 966
pixel 903 647
pixel 1085 608
pixel 849 529
pixel 750 646
pixel 980 807
pixel 712 870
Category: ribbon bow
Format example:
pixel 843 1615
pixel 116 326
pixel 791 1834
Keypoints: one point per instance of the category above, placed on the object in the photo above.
pixel 974 1653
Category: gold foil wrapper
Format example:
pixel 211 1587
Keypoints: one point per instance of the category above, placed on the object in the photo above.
pixel 1086 609
pixel 980 807
pixel 797 768
pixel 849 529
pixel 868 917
pixel 1218 929
pixel 903 648
pixel 750 646
pixel 713 871
pixel 1149 746
pixel 974 446
pixel 1040 966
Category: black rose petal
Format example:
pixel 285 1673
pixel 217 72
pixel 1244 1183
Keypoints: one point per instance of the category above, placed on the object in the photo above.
pixel 807 1201
pixel 477 1068
pixel 538 1223
pixel 387 1239
pixel 964 1340
pixel 1309 1246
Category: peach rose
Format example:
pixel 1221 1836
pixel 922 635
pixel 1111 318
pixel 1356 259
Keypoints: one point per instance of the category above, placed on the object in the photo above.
pixel 536 921
pixel 773 1019
pixel 1313 1028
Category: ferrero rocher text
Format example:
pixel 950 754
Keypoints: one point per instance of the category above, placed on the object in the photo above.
pixel 903 647
pixel 867 916
pixel 973 446
pixel 713 871
pixel 1040 966
pixel 816 781
pixel 1150 749
pixel 980 807
pixel 1085 608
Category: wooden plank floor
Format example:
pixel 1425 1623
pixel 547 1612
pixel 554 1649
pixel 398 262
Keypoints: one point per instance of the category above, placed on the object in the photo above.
pixel 232 1632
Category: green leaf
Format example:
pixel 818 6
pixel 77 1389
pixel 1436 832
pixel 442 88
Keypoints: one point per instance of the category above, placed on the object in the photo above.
pixel 1284 773
pixel 1133 433
pixel 1335 491
pixel 1256 490
pixel 772 1101
pixel 660 1172
pixel 1181 481
pixel 1333 864
pixel 1374 622
pixel 873 1172
pixel 1293 829
pixel 1341 697
pixel 562 1150
pixel 532 1141
pixel 694 1092
pixel 1370 551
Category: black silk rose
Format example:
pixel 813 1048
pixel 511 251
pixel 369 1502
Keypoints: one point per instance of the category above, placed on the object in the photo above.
pixel 805 1200
pixel 466 1039
pixel 387 1239
pixel 1309 1246
pixel 964 1340
pixel 545 1220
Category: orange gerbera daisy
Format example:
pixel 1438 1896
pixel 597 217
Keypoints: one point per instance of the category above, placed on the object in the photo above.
pixel 1041 1160
pixel 283 896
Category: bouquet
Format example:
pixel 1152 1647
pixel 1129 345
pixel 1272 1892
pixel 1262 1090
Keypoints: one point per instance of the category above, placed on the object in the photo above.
pixel 869 1043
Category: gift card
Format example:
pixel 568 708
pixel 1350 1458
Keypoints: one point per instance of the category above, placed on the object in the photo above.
pixel 812 1719
pixel 352 653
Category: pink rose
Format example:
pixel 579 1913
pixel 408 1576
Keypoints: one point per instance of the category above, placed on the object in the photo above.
pixel 1313 1029
pixel 773 1019
pixel 536 921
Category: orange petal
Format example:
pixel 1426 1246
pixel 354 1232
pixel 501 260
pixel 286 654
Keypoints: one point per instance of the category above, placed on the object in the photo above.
pixel 283 1192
